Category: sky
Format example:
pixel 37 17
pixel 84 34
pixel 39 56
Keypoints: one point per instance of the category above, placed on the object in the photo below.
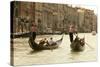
pixel 94 8
pixel 88 4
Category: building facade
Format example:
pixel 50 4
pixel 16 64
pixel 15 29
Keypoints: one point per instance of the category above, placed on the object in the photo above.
pixel 53 18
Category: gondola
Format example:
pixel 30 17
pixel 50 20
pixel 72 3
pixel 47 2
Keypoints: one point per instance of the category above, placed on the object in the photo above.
pixel 78 44
pixel 36 46
pixel 93 32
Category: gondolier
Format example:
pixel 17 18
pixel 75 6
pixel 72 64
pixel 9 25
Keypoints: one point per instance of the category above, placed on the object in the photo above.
pixel 33 32
pixel 72 30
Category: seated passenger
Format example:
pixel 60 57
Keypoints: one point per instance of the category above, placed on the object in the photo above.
pixel 51 42
pixel 43 42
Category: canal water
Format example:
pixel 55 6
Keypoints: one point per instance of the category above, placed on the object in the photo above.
pixel 24 55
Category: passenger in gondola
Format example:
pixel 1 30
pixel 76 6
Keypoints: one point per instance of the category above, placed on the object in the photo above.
pixel 43 42
pixel 82 41
pixel 46 42
pixel 51 42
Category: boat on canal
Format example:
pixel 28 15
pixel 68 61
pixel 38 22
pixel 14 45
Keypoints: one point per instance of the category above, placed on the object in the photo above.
pixel 36 46
pixel 78 44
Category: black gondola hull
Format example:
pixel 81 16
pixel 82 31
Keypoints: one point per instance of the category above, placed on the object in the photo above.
pixel 77 45
pixel 36 46
pixel 77 48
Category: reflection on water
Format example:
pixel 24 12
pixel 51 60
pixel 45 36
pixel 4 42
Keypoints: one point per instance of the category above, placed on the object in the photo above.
pixel 24 55
pixel 34 52
pixel 74 55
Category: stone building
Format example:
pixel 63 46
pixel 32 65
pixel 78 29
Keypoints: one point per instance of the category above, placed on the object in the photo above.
pixel 94 23
pixel 89 21
pixel 52 18
pixel 23 16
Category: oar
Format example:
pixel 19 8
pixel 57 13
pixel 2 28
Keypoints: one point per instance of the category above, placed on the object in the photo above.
pixel 89 45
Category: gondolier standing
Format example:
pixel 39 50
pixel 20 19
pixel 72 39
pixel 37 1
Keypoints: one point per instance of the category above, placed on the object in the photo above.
pixel 33 32
pixel 72 30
